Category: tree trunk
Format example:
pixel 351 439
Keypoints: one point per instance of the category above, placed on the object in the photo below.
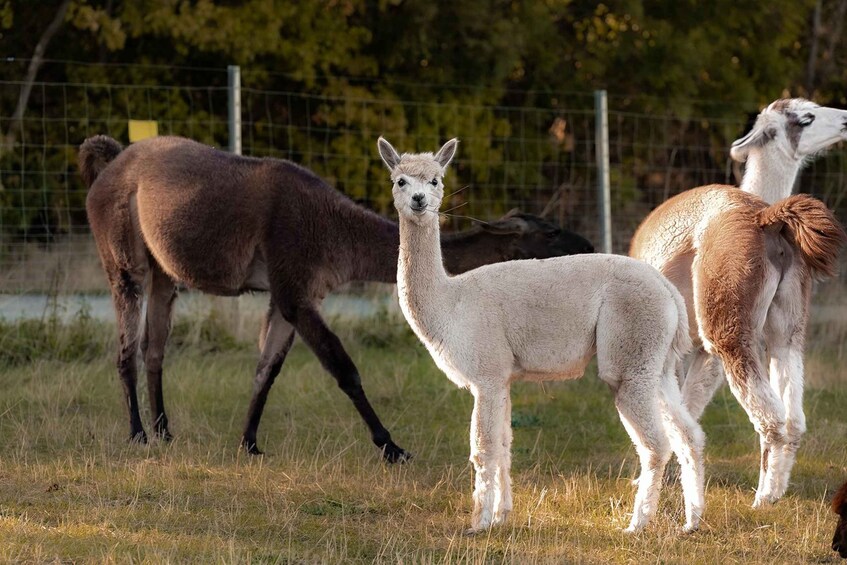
pixel 35 63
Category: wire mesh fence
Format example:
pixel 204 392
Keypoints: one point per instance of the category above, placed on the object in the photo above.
pixel 538 159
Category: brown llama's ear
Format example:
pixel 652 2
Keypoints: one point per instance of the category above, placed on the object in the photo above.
pixel 759 136
pixel 389 155
pixel 446 153
pixel 505 226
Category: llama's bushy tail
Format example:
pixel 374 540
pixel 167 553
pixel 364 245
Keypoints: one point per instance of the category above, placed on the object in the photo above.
pixel 94 154
pixel 810 227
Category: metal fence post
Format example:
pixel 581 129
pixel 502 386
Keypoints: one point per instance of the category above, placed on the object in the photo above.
pixel 234 90
pixel 601 144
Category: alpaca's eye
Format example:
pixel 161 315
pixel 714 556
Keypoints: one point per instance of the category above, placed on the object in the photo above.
pixel 806 120
pixel 434 182
pixel 401 183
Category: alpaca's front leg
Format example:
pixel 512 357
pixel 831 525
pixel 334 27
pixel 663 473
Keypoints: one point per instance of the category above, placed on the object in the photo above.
pixel 504 481
pixel 486 448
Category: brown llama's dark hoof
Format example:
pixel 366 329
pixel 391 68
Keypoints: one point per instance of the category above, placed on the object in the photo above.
pixel 393 453
pixel 139 437
pixel 251 448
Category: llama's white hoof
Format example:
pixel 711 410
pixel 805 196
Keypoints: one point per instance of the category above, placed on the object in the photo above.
pixel 764 501
pixel 500 517
pixel 690 528
pixel 633 529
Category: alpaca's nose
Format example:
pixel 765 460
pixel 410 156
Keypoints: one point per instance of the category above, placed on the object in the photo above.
pixel 418 201
pixel 419 197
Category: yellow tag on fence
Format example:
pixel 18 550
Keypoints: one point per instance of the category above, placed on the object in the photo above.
pixel 142 129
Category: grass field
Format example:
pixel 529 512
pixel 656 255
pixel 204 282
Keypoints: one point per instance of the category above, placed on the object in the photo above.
pixel 72 489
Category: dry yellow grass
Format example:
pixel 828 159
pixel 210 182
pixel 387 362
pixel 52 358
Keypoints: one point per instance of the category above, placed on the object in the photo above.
pixel 72 489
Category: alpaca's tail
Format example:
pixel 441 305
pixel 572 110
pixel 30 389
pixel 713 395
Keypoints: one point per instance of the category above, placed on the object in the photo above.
pixel 94 154
pixel 809 226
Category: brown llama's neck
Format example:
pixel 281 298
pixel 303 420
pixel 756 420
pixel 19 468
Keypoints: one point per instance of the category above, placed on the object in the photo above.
pixel 373 245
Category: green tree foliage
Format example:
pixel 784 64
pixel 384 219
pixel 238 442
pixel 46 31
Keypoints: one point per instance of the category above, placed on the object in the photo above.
pixel 415 71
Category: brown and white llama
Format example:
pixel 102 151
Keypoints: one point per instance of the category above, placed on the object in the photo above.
pixel 169 211
pixel 745 261
pixel 545 320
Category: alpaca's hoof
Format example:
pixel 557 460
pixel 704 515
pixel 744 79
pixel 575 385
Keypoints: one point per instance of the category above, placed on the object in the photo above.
pixel 500 517
pixel 393 453
pixel 689 529
pixel 471 532
pixel 139 437
pixel 764 501
pixel 634 528
pixel 251 448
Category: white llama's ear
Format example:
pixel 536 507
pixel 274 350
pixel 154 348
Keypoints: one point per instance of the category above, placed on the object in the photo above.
pixel 389 155
pixel 446 153
pixel 760 135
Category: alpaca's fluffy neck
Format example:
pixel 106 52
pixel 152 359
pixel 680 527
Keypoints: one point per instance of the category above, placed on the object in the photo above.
pixel 422 282
pixel 770 174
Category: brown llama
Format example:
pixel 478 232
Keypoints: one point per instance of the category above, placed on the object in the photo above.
pixel 745 262
pixel 169 211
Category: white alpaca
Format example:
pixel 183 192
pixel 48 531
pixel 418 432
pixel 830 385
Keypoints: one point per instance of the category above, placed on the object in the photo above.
pixel 544 320
pixel 746 269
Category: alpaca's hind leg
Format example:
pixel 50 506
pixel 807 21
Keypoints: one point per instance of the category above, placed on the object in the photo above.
pixel 785 330
pixel 487 422
pixel 504 481
pixel 278 335
pixel 786 371
pixel 687 441
pixel 156 329
pixel 703 379
pixel 639 410
pixel 750 387
pixel 126 297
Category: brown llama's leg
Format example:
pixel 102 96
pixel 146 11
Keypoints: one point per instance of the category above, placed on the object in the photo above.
pixel 126 297
pixel 276 338
pixel 326 345
pixel 160 301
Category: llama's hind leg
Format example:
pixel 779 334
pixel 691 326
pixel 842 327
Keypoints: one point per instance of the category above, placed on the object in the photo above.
pixel 126 297
pixel 750 387
pixel 786 372
pixel 703 379
pixel 276 339
pixel 487 422
pixel 156 329
pixel 504 481
pixel 687 441
pixel 785 330
pixel 638 406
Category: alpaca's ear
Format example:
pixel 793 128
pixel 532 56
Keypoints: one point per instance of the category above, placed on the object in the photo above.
pixel 446 153
pixel 389 155
pixel 760 135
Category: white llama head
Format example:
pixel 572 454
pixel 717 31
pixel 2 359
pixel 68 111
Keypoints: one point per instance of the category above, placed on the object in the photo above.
pixel 796 127
pixel 417 178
